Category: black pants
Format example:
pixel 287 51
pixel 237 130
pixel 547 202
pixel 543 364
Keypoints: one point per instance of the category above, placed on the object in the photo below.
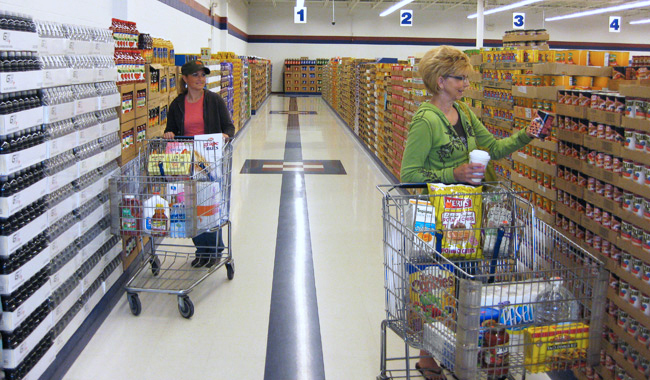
pixel 206 243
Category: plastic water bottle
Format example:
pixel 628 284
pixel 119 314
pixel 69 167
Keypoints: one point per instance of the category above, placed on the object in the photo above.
pixel 556 304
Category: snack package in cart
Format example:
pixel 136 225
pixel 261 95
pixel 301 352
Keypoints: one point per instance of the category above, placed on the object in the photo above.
pixel 208 152
pixel 458 211
pixel 431 295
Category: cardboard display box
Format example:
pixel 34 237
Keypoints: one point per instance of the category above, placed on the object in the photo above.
pixel 574 137
pixel 534 163
pixel 140 132
pixel 537 92
pixel 638 124
pixel 636 91
pixel 153 113
pixel 127 102
pixel 605 117
pixel 573 70
pixel 573 111
pixel 153 74
pixel 127 140
pixel 569 162
pixel 163 108
pixel 141 100
pixel 601 145
pixel 155 132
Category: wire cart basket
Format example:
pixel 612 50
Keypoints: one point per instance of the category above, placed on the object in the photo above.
pixel 524 299
pixel 172 191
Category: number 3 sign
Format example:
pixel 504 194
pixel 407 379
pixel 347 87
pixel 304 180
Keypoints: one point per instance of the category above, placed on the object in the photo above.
pixel 518 20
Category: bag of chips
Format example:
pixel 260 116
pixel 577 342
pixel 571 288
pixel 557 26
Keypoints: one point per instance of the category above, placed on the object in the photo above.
pixel 458 215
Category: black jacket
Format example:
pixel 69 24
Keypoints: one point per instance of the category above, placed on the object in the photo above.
pixel 216 117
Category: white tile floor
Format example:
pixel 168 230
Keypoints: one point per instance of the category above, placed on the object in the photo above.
pixel 226 338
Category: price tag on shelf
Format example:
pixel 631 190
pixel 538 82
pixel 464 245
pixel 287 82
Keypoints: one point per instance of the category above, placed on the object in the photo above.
pixel 614 24
pixel 300 15
pixel 519 21
pixel 405 17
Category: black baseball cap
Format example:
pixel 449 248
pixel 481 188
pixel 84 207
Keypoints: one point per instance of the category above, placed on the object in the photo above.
pixel 193 66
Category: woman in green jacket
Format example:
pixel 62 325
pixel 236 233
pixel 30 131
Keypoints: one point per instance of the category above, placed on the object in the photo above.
pixel 444 130
pixel 441 135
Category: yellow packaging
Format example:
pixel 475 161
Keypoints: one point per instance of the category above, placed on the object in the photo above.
pixel 549 348
pixel 458 211
pixel 577 57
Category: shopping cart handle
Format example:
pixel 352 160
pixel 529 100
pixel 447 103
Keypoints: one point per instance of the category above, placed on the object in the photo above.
pixel 410 186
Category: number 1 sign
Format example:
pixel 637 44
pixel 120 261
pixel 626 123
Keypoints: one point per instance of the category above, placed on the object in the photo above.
pixel 300 15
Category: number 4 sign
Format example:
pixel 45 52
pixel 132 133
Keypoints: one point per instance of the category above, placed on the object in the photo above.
pixel 406 17
pixel 300 15
pixel 614 24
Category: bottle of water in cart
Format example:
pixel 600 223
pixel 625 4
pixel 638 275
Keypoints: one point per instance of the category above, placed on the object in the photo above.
pixel 556 304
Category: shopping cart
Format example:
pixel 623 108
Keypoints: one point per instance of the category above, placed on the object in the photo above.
pixel 172 191
pixel 533 301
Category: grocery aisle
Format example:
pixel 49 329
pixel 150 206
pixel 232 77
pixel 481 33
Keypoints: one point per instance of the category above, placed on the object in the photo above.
pixel 228 336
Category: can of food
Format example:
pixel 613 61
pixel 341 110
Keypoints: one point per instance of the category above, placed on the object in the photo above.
pixel 596 242
pixel 610 103
pixel 635 297
pixel 583 152
pixel 627 200
pixel 607 162
pixel 646 208
pixel 610 364
pixel 547 181
pixel 626 261
pixel 617 165
pixel 637 267
pixel 641 109
pixel 644 334
pixel 608 190
pixel 592 128
pixel 640 140
pixel 609 132
pixel 624 291
pixel 637 236
pixel 591 157
pixel 616 255
pixel 612 309
pixel 644 366
pixel 600 131
pixel 589 238
pixel 632 327
pixel 613 282
pixel 632 358
pixel 600 188
pixel 645 304
pixel 638 175
pixel 605 218
pixel 617 194
pixel 630 139
pixel 547 205
pixel 637 204
pixel 630 107
pixel 546 156
pixel 622 319
pixel 645 275
pixel 589 210
pixel 646 172
pixel 600 160
pixel 626 230
pixel 606 248
pixel 597 214
pixel 527 150
pixel 582 179
pixel 619 104
pixel 628 169
pixel 645 244
pixel 616 224
pixel 572 228
pixel 561 96
pixel 553 157
pixel 527 171
pixel 580 231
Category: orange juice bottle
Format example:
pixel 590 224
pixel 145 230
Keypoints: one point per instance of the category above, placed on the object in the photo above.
pixel 159 221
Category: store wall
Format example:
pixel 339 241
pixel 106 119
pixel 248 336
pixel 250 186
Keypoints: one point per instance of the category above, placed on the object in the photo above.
pixel 446 27
pixel 97 13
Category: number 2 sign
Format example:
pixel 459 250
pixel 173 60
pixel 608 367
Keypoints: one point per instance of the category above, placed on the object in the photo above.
pixel 300 15
pixel 406 17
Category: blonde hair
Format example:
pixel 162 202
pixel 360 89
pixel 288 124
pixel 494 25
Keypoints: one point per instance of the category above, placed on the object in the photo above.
pixel 442 61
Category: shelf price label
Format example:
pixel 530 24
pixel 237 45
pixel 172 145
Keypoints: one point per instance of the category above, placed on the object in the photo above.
pixel 299 15
pixel 406 17
pixel 519 21
pixel 614 24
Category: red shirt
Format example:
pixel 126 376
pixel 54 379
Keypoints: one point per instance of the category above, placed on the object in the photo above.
pixel 194 124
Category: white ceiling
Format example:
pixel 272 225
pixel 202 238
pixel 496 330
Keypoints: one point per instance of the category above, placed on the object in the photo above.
pixel 550 7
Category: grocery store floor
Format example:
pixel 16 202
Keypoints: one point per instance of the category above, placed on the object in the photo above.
pixel 307 298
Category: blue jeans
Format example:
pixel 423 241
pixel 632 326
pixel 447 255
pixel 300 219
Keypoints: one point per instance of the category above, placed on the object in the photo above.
pixel 206 243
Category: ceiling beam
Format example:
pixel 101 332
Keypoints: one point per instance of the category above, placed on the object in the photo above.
pixel 377 4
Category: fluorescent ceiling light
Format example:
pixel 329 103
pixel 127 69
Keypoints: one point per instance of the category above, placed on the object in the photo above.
pixel 506 7
pixel 300 3
pixel 616 8
pixel 646 21
pixel 395 7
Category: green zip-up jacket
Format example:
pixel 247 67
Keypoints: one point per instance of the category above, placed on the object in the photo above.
pixel 434 149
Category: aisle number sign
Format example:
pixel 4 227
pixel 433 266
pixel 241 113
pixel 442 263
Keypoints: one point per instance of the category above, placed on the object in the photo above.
pixel 299 15
pixel 614 24
pixel 519 21
pixel 406 17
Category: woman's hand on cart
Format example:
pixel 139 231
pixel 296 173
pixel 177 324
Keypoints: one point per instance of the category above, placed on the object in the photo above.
pixel 169 135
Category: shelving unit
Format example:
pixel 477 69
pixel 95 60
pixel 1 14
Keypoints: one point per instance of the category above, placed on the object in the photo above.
pixel 58 266
pixel 304 78
pixel 260 80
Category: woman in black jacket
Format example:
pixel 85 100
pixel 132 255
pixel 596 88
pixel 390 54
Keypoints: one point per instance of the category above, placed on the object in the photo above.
pixel 198 111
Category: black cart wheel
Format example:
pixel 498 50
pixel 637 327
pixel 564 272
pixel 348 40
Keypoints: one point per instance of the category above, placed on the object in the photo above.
pixel 134 303
pixel 185 306
pixel 230 269
pixel 155 265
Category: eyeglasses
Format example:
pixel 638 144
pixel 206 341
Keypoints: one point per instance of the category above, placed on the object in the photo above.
pixel 199 74
pixel 463 78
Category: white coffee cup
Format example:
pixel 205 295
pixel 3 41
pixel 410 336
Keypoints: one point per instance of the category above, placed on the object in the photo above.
pixel 479 157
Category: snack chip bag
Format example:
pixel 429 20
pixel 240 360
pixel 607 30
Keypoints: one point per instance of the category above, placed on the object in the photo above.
pixel 432 290
pixel 458 215
pixel 555 347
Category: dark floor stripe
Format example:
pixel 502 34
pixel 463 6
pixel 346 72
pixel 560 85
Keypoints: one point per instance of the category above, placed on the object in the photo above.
pixel 294 349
